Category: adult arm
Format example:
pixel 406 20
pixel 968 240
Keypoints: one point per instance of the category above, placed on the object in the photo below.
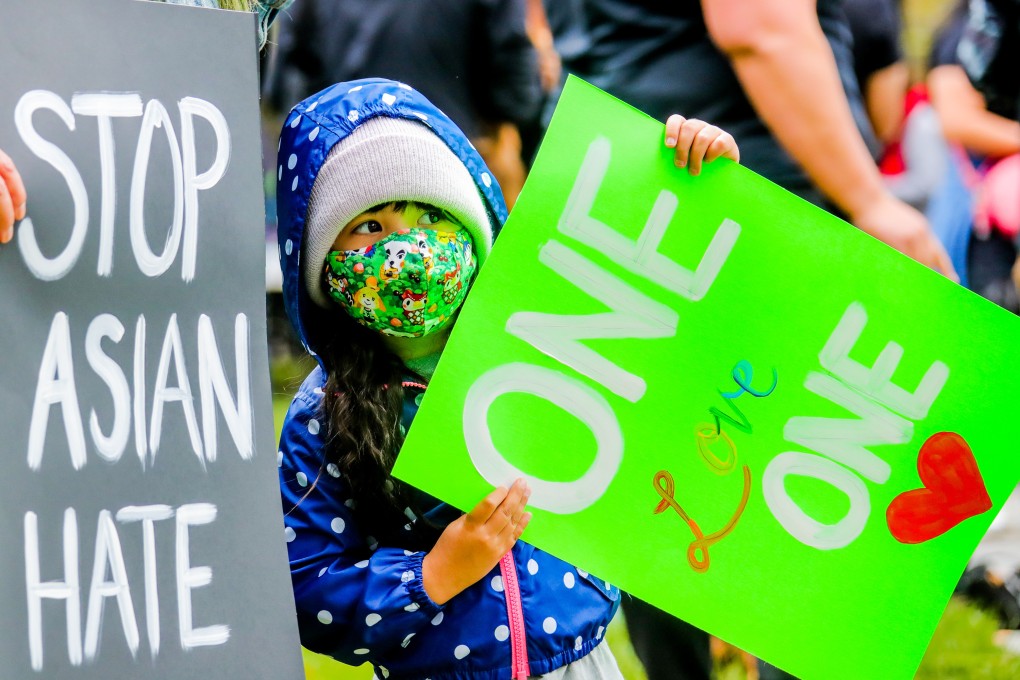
pixel 964 117
pixel 12 197
pixel 786 68
pixel 884 93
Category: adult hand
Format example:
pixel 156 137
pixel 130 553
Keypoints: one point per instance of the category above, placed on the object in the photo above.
pixel 695 141
pixel 12 197
pixel 905 229
pixel 473 544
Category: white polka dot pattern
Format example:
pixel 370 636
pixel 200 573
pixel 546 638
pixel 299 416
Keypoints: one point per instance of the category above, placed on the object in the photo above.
pixel 502 633
pixel 461 651
pixel 313 426
pixel 437 619
pixel 372 619
pixel 338 525
pixel 532 567
pixel 568 580
pixel 549 625
pixel 497 583
pixel 302 479
pixel 289 534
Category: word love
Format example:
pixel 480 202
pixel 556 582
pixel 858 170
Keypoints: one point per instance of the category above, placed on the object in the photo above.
pixel 634 315
pixel 743 374
pixel 187 179
pixel 57 386
pixel 109 558
pixel 706 437
pixel 953 491
pixel 840 456
pixel 697 551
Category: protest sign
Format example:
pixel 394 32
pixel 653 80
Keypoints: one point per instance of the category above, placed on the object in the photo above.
pixel 141 517
pixel 727 402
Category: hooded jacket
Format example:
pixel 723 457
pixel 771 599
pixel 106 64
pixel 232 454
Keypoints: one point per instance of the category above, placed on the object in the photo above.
pixel 362 599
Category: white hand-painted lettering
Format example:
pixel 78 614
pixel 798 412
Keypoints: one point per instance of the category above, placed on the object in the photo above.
pixel 188 180
pixel 569 394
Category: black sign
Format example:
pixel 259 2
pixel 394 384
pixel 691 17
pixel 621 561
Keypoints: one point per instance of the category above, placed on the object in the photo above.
pixel 141 528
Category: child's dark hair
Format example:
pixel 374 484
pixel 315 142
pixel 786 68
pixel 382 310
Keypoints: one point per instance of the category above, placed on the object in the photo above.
pixel 363 403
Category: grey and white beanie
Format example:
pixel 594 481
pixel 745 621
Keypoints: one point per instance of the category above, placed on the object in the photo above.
pixel 385 160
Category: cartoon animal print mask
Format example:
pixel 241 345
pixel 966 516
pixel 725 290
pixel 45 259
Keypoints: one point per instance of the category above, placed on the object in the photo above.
pixel 410 283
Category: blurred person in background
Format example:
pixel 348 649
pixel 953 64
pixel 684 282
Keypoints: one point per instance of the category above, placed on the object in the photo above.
pixel 984 135
pixel 880 67
pixel 472 58
pixel 780 76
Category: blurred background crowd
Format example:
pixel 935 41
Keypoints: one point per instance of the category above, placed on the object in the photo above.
pixel 899 116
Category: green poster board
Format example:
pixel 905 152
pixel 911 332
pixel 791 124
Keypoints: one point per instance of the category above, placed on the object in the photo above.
pixel 728 402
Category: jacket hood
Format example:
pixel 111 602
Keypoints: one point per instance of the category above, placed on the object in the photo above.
pixel 312 128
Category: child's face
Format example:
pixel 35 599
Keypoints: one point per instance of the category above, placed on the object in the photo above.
pixel 379 222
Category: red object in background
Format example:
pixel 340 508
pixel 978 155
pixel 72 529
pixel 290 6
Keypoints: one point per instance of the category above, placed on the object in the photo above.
pixel 953 491
pixel 891 162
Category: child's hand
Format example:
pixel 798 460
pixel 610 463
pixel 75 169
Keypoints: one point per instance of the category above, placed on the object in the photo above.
pixel 473 544
pixel 696 141
pixel 12 197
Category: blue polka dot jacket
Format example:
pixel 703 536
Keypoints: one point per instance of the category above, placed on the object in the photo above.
pixel 361 598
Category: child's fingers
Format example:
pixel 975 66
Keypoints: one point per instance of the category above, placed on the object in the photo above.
pixel 724 146
pixel 699 146
pixel 12 197
pixel 481 513
pixel 513 527
pixel 511 508
pixel 522 525
pixel 673 124
pixel 685 137
pixel 6 214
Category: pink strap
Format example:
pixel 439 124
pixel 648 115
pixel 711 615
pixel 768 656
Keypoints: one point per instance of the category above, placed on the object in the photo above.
pixel 515 614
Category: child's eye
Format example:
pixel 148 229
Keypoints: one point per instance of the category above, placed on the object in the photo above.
pixel 367 227
pixel 431 217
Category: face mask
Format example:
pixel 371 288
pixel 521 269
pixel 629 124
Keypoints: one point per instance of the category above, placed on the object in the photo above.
pixel 410 283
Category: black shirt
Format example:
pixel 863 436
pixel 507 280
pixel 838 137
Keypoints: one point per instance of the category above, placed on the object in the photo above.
pixel 657 56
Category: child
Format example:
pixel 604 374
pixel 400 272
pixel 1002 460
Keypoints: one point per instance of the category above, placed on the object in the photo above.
pixel 385 214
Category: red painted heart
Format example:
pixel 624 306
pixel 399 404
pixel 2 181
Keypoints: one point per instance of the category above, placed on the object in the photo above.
pixel 953 491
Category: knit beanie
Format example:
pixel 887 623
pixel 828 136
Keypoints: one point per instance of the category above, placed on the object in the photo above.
pixel 385 160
